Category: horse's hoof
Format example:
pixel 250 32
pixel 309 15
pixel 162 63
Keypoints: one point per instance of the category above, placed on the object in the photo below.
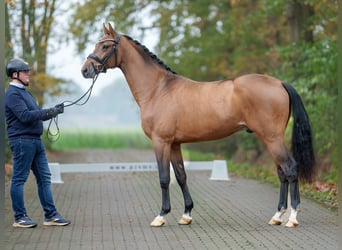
pixel 185 220
pixel 158 221
pixel 275 221
pixel 292 223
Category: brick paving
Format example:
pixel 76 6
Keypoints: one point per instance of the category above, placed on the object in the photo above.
pixel 114 210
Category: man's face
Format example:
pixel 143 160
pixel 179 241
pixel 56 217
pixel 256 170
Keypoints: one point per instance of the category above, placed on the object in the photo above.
pixel 24 76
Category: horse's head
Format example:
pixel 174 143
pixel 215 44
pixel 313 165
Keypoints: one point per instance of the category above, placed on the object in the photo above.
pixel 104 55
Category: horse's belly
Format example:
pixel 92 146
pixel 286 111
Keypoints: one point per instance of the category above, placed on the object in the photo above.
pixel 206 131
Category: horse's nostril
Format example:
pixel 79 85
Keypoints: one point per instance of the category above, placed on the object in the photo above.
pixel 84 71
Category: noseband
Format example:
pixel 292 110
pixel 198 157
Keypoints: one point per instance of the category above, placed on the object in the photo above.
pixel 102 67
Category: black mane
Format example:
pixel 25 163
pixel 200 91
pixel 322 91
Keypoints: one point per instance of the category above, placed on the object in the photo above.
pixel 153 56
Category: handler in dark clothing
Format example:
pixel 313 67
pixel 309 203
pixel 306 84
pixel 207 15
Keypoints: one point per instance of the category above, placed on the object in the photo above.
pixel 24 127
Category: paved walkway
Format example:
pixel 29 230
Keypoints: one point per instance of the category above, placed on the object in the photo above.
pixel 114 210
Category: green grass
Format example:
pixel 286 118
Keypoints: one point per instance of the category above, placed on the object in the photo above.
pixel 101 139
pixel 190 155
pixel 117 138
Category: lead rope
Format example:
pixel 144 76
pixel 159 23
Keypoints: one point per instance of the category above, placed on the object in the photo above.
pixel 54 136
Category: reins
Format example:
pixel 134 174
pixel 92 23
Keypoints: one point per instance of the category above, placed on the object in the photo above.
pixel 55 136
pixel 88 92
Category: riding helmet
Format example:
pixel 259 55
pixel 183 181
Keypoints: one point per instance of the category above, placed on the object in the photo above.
pixel 16 65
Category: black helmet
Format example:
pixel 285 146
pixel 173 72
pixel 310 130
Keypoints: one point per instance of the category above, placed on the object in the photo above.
pixel 16 65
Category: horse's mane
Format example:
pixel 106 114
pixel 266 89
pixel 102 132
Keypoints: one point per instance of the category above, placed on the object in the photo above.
pixel 152 55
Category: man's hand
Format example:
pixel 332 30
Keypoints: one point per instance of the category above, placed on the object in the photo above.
pixel 60 108
pixel 53 112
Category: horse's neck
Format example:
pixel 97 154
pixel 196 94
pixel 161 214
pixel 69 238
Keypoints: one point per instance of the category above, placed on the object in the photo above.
pixel 143 79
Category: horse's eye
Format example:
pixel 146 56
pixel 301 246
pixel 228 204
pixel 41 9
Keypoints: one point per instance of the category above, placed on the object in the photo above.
pixel 105 47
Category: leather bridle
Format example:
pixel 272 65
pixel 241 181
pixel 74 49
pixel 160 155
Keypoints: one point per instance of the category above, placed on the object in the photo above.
pixel 101 68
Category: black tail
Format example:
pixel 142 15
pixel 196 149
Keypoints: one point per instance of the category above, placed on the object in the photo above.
pixel 302 148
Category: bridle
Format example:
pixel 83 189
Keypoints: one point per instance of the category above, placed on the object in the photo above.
pixel 101 68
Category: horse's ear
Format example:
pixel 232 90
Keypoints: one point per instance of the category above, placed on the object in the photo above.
pixel 105 29
pixel 108 28
pixel 111 27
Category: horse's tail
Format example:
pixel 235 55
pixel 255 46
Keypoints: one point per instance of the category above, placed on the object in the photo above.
pixel 302 148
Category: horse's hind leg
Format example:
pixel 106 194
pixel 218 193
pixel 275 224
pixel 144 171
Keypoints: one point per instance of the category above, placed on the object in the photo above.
pixel 178 166
pixel 295 198
pixel 288 175
pixel 282 205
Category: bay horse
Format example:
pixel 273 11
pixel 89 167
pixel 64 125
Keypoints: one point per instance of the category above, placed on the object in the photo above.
pixel 176 110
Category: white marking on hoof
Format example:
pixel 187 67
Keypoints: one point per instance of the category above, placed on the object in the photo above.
pixel 185 220
pixel 158 221
pixel 276 219
pixel 293 219
pixel 292 224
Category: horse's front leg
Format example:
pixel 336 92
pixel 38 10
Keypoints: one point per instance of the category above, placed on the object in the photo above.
pixel 178 166
pixel 162 152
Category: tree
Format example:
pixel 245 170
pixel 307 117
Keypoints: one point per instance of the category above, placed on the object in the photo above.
pixel 8 37
pixel 86 24
pixel 28 29
pixel 213 38
pixel 220 40
pixel 310 63
pixel 299 18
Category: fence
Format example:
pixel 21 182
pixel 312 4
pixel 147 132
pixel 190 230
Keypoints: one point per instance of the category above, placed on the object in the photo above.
pixel 218 168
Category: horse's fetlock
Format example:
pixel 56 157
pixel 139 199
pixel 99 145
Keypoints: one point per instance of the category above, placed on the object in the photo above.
pixel 165 210
pixel 189 207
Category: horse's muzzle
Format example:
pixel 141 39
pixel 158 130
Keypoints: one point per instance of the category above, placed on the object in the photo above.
pixel 88 72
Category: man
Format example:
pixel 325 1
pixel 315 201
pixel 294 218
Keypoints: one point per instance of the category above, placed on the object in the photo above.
pixel 24 128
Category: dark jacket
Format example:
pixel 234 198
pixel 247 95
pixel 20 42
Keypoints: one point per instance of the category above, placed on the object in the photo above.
pixel 23 115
